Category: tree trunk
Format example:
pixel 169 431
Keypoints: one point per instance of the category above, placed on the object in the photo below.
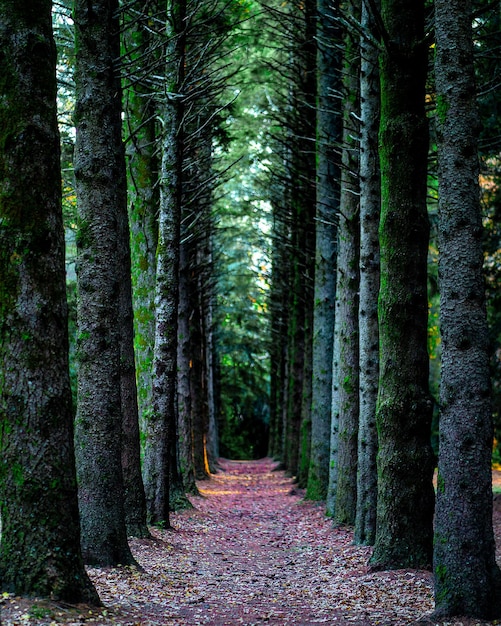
pixel 303 465
pixel 405 459
pixel 161 466
pixel 302 183
pixel 184 398
pixel 329 132
pixel 342 495
pixel 134 496
pixel 198 382
pixel 101 193
pixel 210 356
pixel 467 579
pixel 279 313
pixel 40 535
pixel 370 207
pixel 143 199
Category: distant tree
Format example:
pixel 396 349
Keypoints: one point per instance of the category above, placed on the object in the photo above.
pixel 370 206
pixel 300 189
pixel 278 345
pixel 101 193
pixel 210 31
pixel 467 578
pixel 241 326
pixel 405 504
pixel 184 365
pixel 40 538
pixel 274 139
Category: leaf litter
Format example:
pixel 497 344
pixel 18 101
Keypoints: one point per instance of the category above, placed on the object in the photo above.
pixel 251 552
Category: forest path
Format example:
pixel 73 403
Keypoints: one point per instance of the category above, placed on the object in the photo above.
pixel 250 552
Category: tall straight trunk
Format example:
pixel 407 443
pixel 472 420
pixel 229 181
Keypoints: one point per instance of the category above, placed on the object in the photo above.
pixel 329 132
pixel 303 235
pixel 370 207
pixel 184 361
pixel 143 197
pixel 209 354
pixel 162 480
pixel 101 194
pixel 279 323
pixel 467 578
pixel 142 171
pixel 198 387
pixel 405 459
pixel 294 382
pixel 304 451
pixel 40 534
pixel 342 493
pixel 134 495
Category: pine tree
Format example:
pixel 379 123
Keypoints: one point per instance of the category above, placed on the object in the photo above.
pixel 405 459
pixel 101 194
pixel 467 578
pixel 40 542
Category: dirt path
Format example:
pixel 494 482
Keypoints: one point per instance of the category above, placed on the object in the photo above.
pixel 250 552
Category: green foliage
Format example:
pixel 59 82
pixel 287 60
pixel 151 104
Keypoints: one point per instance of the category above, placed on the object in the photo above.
pixel 242 238
pixel 242 341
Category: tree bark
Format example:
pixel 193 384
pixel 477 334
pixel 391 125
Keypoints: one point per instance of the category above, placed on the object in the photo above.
pixel 140 50
pixel 184 397
pixel 467 579
pixel 329 133
pixel 101 193
pixel 134 496
pixel 40 535
pixel 405 460
pixel 162 479
pixel 370 207
pixel 342 494
pixel 279 314
pixel 143 197
pixel 302 189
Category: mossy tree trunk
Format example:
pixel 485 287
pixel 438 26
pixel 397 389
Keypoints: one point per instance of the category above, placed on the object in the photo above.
pixel 467 579
pixel 163 481
pixel 301 175
pixel 329 132
pixel 134 496
pixel 210 364
pixel 40 536
pixel 370 207
pixel 405 460
pixel 184 361
pixel 302 190
pixel 101 195
pixel 141 50
pixel 198 387
pixel 342 492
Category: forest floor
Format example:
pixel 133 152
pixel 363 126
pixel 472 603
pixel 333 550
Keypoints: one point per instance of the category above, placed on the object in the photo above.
pixel 251 551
